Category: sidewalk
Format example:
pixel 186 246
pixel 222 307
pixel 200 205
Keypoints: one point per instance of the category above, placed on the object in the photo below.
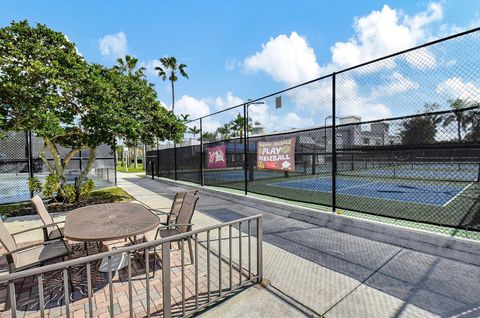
pixel 333 273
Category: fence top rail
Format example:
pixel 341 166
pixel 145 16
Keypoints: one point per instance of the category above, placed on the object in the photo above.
pixel 90 258
pixel 346 70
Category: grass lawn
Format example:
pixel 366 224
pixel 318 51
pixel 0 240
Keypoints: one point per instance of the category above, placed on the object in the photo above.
pixel 131 169
pixel 97 197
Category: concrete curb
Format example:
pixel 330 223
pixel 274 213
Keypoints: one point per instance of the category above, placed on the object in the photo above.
pixel 461 249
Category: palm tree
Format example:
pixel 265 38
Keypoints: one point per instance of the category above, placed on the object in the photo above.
pixel 209 136
pixel 474 133
pixel 224 131
pixel 128 66
pixel 238 125
pixel 169 65
pixel 461 117
pixel 194 131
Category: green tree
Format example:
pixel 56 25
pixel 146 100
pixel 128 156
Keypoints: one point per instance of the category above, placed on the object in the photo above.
pixel 224 131
pixel 238 125
pixel 459 116
pixel 422 129
pixel 473 134
pixel 194 131
pixel 48 88
pixel 209 136
pixel 128 66
pixel 169 70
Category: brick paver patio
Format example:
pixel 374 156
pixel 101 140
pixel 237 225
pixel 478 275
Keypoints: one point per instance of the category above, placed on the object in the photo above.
pixel 27 289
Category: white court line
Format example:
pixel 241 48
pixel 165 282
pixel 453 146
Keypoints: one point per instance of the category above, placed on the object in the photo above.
pixel 458 194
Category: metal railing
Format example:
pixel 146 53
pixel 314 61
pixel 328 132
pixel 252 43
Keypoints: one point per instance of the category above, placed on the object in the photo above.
pixel 234 262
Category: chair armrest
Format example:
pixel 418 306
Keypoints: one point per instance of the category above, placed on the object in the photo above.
pixel 175 224
pixel 39 228
pixel 25 248
pixel 156 211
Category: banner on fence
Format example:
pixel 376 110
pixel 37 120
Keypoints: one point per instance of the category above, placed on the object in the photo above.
pixel 217 157
pixel 276 155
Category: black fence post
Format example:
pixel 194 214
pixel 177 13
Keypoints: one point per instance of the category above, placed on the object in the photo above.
pixel 153 170
pixel 245 150
pixel 334 148
pixel 30 157
pixel 158 161
pixel 114 160
pixel 202 181
pixel 175 160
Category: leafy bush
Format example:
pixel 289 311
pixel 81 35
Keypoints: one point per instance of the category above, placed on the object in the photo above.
pixel 69 192
pixel 86 189
pixel 51 186
pixel 34 184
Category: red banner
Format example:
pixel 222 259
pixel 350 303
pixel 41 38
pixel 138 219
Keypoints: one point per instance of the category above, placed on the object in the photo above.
pixel 276 155
pixel 217 157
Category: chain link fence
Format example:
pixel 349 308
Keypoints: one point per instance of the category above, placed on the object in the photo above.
pixel 398 137
pixel 20 160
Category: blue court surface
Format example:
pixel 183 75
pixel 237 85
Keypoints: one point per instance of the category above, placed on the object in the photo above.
pixel 429 174
pixel 432 194
pixel 232 175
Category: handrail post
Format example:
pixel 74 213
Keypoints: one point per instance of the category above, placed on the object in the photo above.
pixel 202 181
pixel 166 283
pixel 259 249
pixel 245 149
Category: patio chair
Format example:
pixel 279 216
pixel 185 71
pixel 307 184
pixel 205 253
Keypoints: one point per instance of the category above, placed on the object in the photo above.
pixel 36 254
pixel 175 208
pixel 182 225
pixel 52 230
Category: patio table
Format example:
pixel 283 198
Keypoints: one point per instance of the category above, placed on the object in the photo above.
pixel 109 222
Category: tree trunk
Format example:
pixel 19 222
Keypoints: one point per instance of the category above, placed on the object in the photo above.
pixel 135 157
pixel 459 131
pixel 173 98
pixel 144 157
pixel 86 170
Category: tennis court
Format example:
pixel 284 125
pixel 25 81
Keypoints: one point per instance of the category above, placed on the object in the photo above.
pixel 431 194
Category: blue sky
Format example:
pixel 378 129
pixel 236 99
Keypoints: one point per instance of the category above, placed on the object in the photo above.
pixel 246 49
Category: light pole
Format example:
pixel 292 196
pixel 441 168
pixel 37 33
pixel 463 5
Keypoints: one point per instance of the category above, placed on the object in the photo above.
pixel 245 134
pixel 325 130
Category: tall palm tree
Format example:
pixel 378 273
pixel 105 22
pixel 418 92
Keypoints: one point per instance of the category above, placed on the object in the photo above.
pixel 224 131
pixel 461 117
pixel 169 70
pixel 194 131
pixel 209 136
pixel 238 125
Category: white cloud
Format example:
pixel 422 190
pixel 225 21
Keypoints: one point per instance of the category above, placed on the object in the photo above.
pixel 384 32
pixel 150 67
pixel 201 107
pixel 455 87
pixel 114 45
pixel 272 122
pixel 421 59
pixel 229 100
pixel 395 83
pixel 287 59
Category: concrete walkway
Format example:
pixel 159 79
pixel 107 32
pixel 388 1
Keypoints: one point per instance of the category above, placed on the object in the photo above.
pixel 318 271
pixel 330 272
